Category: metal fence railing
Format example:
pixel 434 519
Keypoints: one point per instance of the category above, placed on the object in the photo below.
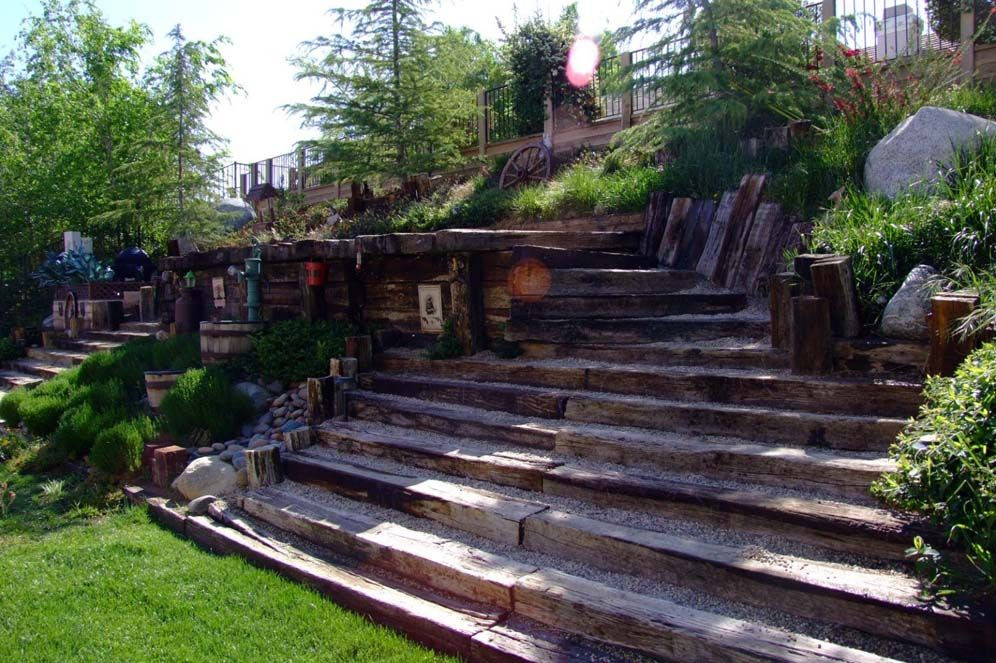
pixel 889 29
pixel 606 87
pixel 650 65
pixel 501 120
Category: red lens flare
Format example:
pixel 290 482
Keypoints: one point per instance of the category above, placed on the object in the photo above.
pixel 582 61
pixel 529 280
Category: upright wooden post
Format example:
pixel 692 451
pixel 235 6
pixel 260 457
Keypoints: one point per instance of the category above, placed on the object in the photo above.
pixel 968 41
pixel 467 300
pixel 549 123
pixel 321 399
pixel 147 303
pixel 300 170
pixel 783 287
pixel 833 278
pixel 811 349
pixel 947 347
pixel 482 124
pixel 361 347
pixel 626 113
pixel 263 466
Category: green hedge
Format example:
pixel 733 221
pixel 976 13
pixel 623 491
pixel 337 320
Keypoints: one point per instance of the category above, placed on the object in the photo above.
pixel 205 400
pixel 294 350
pixel 118 450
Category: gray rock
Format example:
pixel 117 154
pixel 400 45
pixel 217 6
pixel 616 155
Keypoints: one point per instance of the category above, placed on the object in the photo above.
pixel 905 315
pixel 235 448
pixel 289 426
pixel 246 430
pixel 920 150
pixel 258 442
pixel 278 412
pixel 206 476
pixel 275 387
pixel 226 455
pixel 199 505
pixel 218 446
pixel 278 422
pixel 266 419
pixel 279 400
pixel 239 460
pixel 205 451
pixel 242 477
pixel 256 394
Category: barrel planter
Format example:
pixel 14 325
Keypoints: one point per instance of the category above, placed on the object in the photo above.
pixel 221 341
pixel 158 384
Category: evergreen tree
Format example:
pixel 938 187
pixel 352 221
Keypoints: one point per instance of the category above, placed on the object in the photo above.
pixel 389 105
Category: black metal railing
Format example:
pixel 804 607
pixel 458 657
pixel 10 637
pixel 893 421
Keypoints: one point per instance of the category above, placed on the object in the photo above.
pixel 886 29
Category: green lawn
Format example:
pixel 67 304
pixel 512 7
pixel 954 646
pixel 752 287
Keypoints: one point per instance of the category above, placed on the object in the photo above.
pixel 84 578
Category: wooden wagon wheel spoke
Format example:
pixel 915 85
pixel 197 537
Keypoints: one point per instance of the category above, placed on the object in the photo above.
pixel 530 163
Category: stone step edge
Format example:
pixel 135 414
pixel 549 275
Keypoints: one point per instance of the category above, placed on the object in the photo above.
pixel 654 354
pixel 37 367
pixel 700 384
pixel 862 530
pixel 439 627
pixel 807 588
pixel 788 428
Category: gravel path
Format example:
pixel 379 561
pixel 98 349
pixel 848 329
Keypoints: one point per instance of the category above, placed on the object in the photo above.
pixel 646 586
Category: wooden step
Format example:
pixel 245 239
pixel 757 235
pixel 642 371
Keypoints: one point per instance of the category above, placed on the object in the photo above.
pixel 792 467
pixel 772 426
pixel 13 379
pixel 660 627
pixel 600 282
pixel 627 305
pixel 88 346
pixel 876 602
pixel 746 355
pixel 119 337
pixel 147 328
pixel 862 396
pixel 37 367
pixel 480 512
pixel 555 258
pixel 636 330
pixel 57 357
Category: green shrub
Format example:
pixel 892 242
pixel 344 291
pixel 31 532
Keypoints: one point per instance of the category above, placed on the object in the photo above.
pixel 295 350
pixel 130 362
pixel 118 449
pixel 946 464
pixel 41 413
pixel 447 345
pixel 9 350
pixel 11 444
pixel 10 406
pixel 79 427
pixel 204 399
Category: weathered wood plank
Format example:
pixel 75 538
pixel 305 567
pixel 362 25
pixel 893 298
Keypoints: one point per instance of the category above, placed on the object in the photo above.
pixel 718 231
pixel 741 222
pixel 694 236
pixel 655 218
pixel 449 241
pixel 768 224
pixel 602 282
pixel 559 258
pixel 833 279
pixel 677 354
pixel 670 242
pixel 809 341
pixel 628 306
pixel 635 330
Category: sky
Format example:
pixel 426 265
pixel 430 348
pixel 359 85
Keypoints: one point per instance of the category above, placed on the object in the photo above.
pixel 265 34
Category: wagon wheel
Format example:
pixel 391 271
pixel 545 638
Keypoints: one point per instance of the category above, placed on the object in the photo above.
pixel 528 164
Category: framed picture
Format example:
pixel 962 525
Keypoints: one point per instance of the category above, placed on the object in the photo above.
pixel 430 307
pixel 218 291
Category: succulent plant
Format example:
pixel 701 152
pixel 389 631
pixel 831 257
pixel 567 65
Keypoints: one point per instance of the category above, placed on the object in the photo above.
pixel 71 267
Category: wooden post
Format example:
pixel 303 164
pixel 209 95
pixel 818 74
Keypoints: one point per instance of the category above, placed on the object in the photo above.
pixel 361 347
pixel 300 170
pixel 811 348
pixel 655 220
pixel 75 328
pixel 967 29
pixel 321 399
pixel 354 293
pixel 349 367
pixel 803 265
pixel 263 466
pixel 335 368
pixel 467 300
pixel 833 279
pixel 147 303
pixel 340 387
pixel 482 124
pixel 947 347
pixel 299 439
pixel 784 287
pixel 549 123
pixel 626 114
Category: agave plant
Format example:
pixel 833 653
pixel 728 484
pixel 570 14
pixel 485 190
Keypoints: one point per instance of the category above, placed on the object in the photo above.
pixel 71 267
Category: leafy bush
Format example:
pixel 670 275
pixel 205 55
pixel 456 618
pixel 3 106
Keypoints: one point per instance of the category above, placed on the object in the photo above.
pixel 887 238
pixel 118 449
pixel 9 350
pixel 130 362
pixel 80 426
pixel 41 413
pixel 946 463
pixel 10 406
pixel 204 400
pixel 447 345
pixel 11 444
pixel 294 350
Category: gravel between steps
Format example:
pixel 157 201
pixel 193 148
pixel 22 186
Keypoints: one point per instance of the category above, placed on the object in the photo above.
pixel 649 587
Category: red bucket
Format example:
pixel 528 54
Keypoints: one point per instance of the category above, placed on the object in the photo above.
pixel 317 273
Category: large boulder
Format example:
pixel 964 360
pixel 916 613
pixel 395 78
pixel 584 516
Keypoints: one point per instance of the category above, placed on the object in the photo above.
pixel 921 149
pixel 206 476
pixel 258 395
pixel 235 212
pixel 905 315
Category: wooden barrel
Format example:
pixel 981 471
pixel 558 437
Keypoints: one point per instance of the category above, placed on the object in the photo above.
pixel 158 384
pixel 221 341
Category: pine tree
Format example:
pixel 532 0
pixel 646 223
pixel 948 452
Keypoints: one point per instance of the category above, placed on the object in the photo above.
pixel 385 108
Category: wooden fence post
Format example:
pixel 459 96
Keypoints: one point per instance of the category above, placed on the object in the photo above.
pixel 467 300
pixel 968 42
pixel 300 170
pixel 833 278
pixel 482 123
pixel 783 287
pixel 625 64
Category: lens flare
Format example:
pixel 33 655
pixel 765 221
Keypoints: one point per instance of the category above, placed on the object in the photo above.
pixel 582 61
pixel 529 280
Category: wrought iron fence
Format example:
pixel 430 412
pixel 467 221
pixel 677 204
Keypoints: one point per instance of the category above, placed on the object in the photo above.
pixel 501 120
pixel 887 29
pixel 605 85
pixel 649 65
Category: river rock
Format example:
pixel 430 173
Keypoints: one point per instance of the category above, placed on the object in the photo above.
pixel 921 149
pixel 206 476
pixel 905 315
pixel 290 426
pixel 199 506
pixel 279 400
pixel 255 393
